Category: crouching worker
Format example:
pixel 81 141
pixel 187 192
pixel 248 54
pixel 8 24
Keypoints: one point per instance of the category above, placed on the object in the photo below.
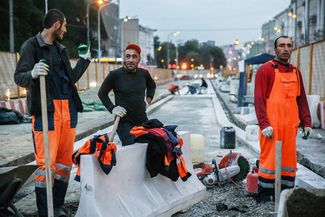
pixel 173 88
pixel 43 55
pixel 131 85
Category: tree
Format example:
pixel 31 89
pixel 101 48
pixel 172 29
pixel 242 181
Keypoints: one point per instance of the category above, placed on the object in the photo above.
pixel 211 56
pixel 27 22
pixel 28 16
pixel 205 56
pixel 189 53
pixel 162 55
pixel 218 56
pixel 156 45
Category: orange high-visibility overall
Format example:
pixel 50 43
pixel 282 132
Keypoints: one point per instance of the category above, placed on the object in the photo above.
pixel 283 115
pixel 61 137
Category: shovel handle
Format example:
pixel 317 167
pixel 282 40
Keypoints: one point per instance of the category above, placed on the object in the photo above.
pixel 113 132
pixel 278 167
pixel 46 147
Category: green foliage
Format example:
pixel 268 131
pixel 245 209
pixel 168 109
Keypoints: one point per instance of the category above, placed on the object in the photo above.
pixel 192 52
pixel 156 45
pixel 28 16
pixel 27 20
pixel 211 56
pixel 160 53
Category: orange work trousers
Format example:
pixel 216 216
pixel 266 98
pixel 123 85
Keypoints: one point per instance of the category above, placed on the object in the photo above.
pixel 283 115
pixel 62 131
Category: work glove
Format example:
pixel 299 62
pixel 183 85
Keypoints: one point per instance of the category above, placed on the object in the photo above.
pixel 119 111
pixel 307 131
pixel 40 68
pixel 268 132
pixel 84 51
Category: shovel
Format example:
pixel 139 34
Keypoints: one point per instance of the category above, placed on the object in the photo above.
pixel 277 184
pixel 113 132
pixel 48 176
pixel 278 167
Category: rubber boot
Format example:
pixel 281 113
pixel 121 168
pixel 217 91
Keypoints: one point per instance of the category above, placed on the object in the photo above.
pixel 264 194
pixel 41 201
pixel 59 192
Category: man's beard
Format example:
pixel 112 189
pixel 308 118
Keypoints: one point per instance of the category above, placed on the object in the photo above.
pixel 130 68
pixel 56 34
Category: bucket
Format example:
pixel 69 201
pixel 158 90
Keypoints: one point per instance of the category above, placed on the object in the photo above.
pixel 227 137
pixel 252 132
pixel 197 148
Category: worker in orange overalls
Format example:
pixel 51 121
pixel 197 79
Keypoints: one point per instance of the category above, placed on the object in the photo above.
pixel 63 103
pixel 280 103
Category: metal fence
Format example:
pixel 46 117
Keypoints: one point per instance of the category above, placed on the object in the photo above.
pixel 93 77
pixel 311 62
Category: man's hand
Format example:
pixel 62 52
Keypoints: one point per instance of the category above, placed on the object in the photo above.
pixel 268 132
pixel 84 51
pixel 40 68
pixel 149 100
pixel 307 131
pixel 119 111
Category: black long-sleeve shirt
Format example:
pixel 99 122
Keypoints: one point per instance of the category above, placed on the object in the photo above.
pixel 129 89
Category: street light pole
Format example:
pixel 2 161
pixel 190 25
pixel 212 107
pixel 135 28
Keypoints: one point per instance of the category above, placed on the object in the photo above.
pixel 168 44
pixel 88 39
pixel 167 51
pixel 99 51
pixel 176 60
pixel 46 7
pixel 122 34
pixel 11 27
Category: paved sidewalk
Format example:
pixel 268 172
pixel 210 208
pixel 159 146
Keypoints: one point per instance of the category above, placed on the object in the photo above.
pixel 16 140
pixel 93 120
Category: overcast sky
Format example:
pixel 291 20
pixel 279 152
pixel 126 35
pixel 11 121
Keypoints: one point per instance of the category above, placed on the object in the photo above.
pixel 220 20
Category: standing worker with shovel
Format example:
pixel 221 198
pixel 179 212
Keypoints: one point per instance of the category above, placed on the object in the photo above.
pixel 280 104
pixel 43 56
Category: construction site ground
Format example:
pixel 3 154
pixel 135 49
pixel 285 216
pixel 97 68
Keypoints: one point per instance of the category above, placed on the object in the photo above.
pixel 193 113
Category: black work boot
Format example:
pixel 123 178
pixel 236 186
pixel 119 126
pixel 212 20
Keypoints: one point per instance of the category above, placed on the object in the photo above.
pixel 264 195
pixel 59 192
pixel 61 212
pixel 41 201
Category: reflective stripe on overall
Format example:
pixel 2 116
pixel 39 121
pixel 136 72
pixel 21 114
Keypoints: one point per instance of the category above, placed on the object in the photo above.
pixel 62 131
pixel 283 115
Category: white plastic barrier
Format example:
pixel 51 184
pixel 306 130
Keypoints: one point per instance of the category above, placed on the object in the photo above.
pixel 313 101
pixel 128 190
pixel 234 85
pixel 233 92
pixel 252 132
pixel 322 114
